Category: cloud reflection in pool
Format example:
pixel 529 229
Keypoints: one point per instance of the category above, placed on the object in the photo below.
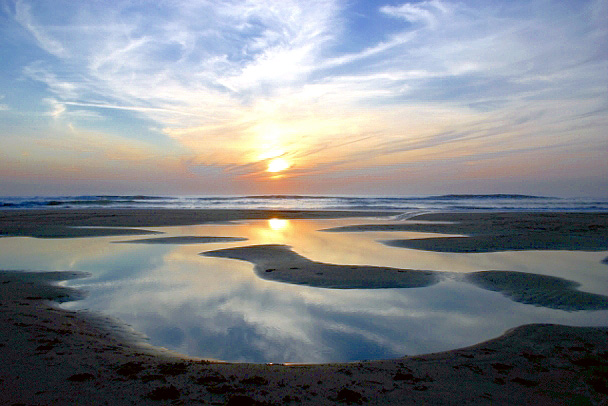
pixel 218 308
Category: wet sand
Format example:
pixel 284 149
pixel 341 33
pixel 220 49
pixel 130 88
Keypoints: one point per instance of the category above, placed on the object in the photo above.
pixel 493 232
pixel 279 263
pixel 188 239
pixel 66 223
pixel 54 356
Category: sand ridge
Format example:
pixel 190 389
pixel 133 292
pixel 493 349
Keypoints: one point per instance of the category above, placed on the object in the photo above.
pixel 492 232
pixel 280 263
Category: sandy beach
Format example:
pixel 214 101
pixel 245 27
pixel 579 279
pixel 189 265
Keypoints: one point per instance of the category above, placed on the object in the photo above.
pixel 49 355
pixel 333 202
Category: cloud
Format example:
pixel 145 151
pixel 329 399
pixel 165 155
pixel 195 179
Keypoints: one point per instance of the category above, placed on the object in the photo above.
pixel 132 108
pixel 249 53
pixel 3 107
pixel 57 108
pixel 65 89
pixel 425 11
pixel 234 80
pixel 45 41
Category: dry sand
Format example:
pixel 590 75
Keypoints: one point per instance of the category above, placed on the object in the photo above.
pixel 51 356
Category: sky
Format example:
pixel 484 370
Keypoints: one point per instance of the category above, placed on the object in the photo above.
pixel 318 97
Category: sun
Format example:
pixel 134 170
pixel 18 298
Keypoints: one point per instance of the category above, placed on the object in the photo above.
pixel 278 165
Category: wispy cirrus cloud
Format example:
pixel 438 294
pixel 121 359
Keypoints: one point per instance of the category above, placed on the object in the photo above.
pixel 3 107
pixel 424 11
pixel 234 82
pixel 45 40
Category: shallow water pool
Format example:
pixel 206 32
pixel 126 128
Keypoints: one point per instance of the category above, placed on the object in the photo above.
pixel 218 308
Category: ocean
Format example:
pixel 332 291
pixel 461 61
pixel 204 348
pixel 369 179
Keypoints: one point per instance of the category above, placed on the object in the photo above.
pixel 408 204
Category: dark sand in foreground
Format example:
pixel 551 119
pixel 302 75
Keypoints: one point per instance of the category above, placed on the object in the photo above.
pixel 53 356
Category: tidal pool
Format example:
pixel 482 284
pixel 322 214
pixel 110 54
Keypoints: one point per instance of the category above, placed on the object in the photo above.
pixel 218 308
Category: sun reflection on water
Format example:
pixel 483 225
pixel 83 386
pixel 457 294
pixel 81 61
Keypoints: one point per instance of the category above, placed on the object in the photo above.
pixel 278 224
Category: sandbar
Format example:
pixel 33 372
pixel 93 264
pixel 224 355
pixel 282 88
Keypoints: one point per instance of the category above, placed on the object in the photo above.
pixel 493 232
pixel 281 264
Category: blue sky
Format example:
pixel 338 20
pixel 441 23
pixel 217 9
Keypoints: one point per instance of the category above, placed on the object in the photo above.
pixel 315 97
